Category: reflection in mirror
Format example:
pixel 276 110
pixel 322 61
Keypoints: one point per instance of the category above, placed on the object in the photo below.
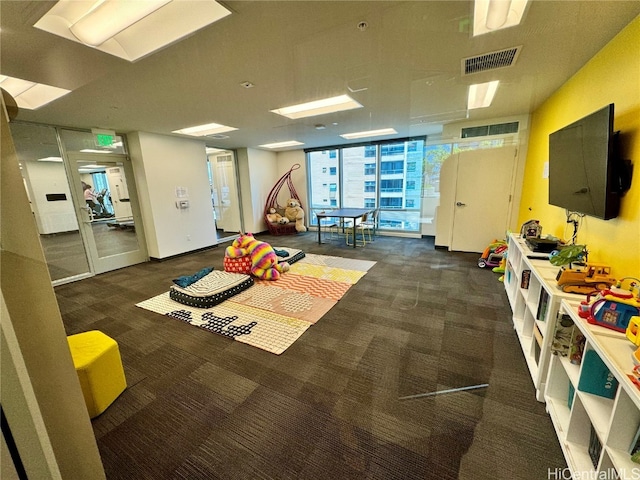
pixel 108 206
pixel 47 186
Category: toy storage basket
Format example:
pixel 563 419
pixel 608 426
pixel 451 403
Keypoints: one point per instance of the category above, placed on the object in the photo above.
pixel 272 202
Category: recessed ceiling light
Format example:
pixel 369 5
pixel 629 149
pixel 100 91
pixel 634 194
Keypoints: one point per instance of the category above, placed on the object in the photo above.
pixel 211 150
pixel 481 94
pixel 318 107
pixel 31 95
pixel 247 85
pixel 369 133
pixel 50 159
pixel 492 15
pixel 290 143
pixel 129 29
pixel 202 130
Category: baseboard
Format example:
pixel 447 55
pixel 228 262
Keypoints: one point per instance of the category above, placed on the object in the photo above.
pixel 198 250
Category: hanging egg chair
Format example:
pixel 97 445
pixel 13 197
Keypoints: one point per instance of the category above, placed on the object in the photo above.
pixel 272 202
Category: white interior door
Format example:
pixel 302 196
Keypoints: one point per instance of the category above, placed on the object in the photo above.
pixel 225 193
pixel 119 191
pixel 482 198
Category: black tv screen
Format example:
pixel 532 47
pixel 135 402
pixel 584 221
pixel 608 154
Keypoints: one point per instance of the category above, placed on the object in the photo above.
pixel 583 166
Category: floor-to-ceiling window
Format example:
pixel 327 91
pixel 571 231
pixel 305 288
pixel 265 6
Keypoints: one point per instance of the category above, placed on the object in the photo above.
pixel 387 175
pixel 322 166
pixel 400 177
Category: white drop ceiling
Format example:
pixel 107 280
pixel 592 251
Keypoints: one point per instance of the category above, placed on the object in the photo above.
pixel 405 67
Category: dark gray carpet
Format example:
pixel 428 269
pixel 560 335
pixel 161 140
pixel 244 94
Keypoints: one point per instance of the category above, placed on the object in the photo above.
pixel 201 406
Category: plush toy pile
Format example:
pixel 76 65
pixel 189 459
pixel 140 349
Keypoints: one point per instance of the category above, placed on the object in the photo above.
pixel 264 261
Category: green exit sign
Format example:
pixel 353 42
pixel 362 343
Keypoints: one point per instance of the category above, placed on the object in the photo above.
pixel 104 140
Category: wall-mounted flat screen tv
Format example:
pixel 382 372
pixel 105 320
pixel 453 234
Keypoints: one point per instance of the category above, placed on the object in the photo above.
pixel 585 168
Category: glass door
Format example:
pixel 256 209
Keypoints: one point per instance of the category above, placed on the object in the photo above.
pixel 52 206
pixel 80 239
pixel 225 193
pixel 107 210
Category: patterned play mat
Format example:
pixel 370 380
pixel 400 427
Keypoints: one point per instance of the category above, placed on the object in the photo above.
pixel 271 315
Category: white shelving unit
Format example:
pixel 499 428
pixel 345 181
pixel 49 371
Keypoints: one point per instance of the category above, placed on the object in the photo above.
pixel 615 421
pixel 530 283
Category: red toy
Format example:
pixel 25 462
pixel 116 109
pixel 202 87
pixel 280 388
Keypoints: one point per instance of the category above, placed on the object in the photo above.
pixel 612 308
pixel 492 255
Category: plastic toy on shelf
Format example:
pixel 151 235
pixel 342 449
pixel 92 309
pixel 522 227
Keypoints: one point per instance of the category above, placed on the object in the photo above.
pixel 613 308
pixel 585 278
pixel 633 334
pixel 531 229
pixel 635 375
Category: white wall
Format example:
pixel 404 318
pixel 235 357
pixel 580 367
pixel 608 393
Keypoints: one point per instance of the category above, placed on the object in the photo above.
pixel 428 219
pixel 299 177
pixel 258 174
pixel 50 177
pixel 164 166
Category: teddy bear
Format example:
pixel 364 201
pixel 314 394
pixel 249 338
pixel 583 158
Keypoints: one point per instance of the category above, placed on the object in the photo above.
pixel 264 261
pixel 274 217
pixel 295 213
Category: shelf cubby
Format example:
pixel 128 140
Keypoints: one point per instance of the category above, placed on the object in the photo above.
pixel 557 396
pixel 563 380
pixel 535 299
pixel 616 420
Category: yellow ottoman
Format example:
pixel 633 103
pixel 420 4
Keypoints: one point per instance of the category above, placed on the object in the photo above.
pixel 97 360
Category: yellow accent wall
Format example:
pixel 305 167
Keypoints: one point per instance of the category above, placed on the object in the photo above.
pixel 611 76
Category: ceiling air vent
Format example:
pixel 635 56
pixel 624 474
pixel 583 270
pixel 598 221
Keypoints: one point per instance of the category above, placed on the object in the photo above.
pixel 485 130
pixel 490 61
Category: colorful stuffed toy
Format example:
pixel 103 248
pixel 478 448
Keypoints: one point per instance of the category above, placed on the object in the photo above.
pixel 264 261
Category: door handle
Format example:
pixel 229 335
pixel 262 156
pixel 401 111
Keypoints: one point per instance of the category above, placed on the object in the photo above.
pixel 460 204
